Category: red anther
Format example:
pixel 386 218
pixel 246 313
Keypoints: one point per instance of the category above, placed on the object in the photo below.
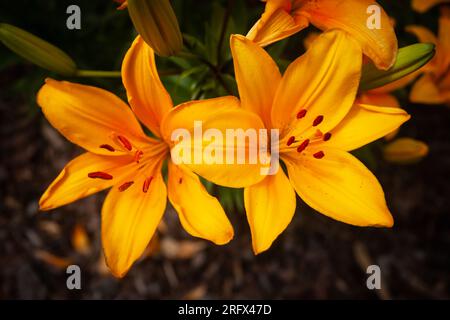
pixel 146 184
pixel 180 181
pixel 317 121
pixel 301 113
pixel 319 155
pixel 107 147
pixel 138 155
pixel 125 142
pixel 303 146
pixel 327 136
pixel 100 175
pixel 290 141
pixel 125 186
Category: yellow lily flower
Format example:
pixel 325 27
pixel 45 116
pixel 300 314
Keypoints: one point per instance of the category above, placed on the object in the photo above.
pixel 121 156
pixel 434 86
pixel 283 18
pixel 424 5
pixel 313 106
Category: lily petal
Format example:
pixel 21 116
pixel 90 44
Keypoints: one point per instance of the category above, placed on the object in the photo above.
pixel 379 99
pixel 200 213
pixel 324 82
pixel 146 94
pixel 365 124
pixel 426 91
pixel 270 206
pixel 379 44
pixel 424 5
pixel 219 115
pixel 257 76
pixel 129 220
pixel 340 187
pixel 274 25
pixel 88 116
pixel 73 182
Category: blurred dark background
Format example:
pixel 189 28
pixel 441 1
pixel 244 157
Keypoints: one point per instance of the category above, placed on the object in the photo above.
pixel 315 258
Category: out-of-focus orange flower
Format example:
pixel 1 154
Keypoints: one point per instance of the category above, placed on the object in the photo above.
pixel 434 86
pixel 53 260
pixel 405 151
pixel 80 239
pixel 283 18
pixel 123 4
pixel 424 5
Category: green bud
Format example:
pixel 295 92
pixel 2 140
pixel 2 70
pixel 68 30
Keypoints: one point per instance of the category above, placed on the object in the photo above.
pixel 36 50
pixel 409 59
pixel 157 24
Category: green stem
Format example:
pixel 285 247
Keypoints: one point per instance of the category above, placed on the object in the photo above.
pixel 97 73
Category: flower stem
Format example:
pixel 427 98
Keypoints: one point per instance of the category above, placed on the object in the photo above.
pixel 98 73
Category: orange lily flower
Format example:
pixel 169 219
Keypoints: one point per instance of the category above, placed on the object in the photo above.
pixel 282 18
pixel 313 106
pixel 121 156
pixel 434 86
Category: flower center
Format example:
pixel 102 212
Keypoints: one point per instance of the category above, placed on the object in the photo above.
pixel 301 143
pixel 155 152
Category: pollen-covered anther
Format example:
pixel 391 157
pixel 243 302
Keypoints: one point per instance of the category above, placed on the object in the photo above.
pixel 125 186
pixel 290 141
pixel 108 147
pixel 303 146
pixel 100 175
pixel 317 121
pixel 146 184
pixel 327 136
pixel 319 155
pixel 301 114
pixel 138 156
pixel 125 142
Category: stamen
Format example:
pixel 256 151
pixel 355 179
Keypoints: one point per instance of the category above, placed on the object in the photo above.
pixel 290 141
pixel 327 136
pixel 318 134
pixel 319 155
pixel 317 121
pixel 125 142
pixel 303 146
pixel 146 184
pixel 100 175
pixel 138 155
pixel 180 181
pixel 125 186
pixel 107 147
pixel 301 114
